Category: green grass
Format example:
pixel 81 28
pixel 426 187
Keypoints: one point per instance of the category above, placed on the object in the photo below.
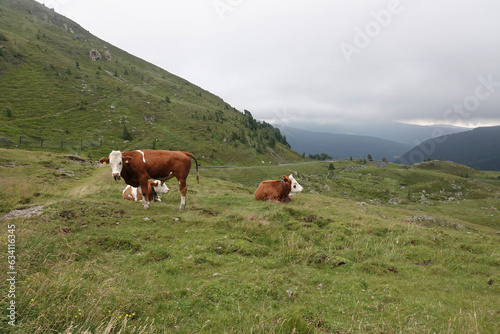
pixel 324 263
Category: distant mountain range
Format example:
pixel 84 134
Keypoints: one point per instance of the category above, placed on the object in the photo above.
pixel 399 132
pixel 341 146
pixel 479 148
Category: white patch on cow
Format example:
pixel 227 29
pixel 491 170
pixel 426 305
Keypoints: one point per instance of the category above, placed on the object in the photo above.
pixel 183 203
pixel 115 161
pixel 296 187
pixel 160 188
pixel 143 159
pixel 133 192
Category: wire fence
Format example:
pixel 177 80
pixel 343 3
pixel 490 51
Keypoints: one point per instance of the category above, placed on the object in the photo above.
pixel 32 142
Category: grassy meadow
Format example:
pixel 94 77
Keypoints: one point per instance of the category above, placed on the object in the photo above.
pixel 363 250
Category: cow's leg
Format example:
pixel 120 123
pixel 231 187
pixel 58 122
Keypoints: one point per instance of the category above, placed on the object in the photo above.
pixel 145 196
pixel 183 189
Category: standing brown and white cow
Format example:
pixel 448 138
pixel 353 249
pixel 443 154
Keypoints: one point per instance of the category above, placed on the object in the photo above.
pixel 136 167
pixel 278 190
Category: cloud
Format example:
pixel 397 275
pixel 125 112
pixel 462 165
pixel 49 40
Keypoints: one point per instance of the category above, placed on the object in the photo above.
pixel 414 59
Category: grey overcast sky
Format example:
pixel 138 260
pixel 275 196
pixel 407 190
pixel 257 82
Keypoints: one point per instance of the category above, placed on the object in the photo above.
pixel 318 61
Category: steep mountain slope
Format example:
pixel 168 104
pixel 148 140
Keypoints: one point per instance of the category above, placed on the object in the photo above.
pixel 60 86
pixel 342 145
pixel 478 148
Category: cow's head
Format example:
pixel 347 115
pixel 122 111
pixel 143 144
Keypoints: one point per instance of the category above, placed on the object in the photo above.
pixel 296 187
pixel 159 186
pixel 116 161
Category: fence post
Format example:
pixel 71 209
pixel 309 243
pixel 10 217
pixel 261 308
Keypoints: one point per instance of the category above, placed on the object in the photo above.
pixel 61 143
pixel 20 140
pixel 81 143
pixel 41 143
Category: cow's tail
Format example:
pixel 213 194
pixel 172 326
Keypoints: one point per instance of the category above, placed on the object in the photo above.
pixel 196 161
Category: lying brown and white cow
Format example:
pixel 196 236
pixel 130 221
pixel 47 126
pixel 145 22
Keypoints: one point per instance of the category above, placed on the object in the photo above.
pixel 155 189
pixel 277 190
pixel 136 167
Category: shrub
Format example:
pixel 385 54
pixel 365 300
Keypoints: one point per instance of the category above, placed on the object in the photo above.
pixel 126 135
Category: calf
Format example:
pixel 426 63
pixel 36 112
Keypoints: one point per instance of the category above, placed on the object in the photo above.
pixel 278 190
pixel 155 189
pixel 136 167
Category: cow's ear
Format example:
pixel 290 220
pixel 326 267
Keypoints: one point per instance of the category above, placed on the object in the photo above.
pixel 127 159
pixel 286 179
pixel 104 161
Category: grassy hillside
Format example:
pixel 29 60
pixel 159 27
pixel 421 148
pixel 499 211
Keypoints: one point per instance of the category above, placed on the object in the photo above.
pixel 363 250
pixel 55 96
